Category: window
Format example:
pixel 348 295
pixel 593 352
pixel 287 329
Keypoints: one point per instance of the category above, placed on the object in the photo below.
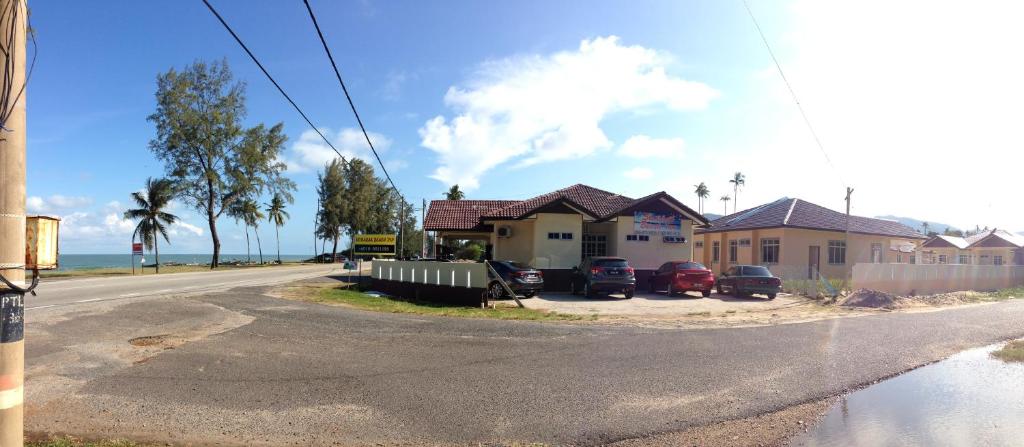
pixel 733 251
pixel 836 252
pixel 595 245
pixel 562 236
pixel 554 236
pixel 913 259
pixel 899 258
pixel 997 260
pixel 566 236
pixel 983 260
pixel 876 253
pixel 965 259
pixel 673 239
pixel 745 242
pixel 942 259
pixel 716 251
pixel 770 251
pixel 638 237
pixel 698 244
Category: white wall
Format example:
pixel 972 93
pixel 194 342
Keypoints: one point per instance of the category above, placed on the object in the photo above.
pixel 904 279
pixel 651 254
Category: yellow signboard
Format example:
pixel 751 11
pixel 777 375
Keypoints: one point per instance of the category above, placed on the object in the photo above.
pixel 375 244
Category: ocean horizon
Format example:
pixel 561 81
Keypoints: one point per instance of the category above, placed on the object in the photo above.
pixel 90 261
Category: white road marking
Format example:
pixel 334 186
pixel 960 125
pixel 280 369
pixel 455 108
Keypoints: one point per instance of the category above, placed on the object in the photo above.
pixel 89 300
pixel 129 295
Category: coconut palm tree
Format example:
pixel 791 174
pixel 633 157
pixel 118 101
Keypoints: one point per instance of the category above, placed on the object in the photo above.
pixel 454 193
pixel 252 216
pixel 237 211
pixel 277 215
pixel 725 202
pixel 702 192
pixel 738 179
pixel 153 220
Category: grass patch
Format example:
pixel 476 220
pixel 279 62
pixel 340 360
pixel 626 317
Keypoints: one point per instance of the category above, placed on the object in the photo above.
pixel 71 442
pixel 502 311
pixel 164 269
pixel 1006 294
pixel 1011 352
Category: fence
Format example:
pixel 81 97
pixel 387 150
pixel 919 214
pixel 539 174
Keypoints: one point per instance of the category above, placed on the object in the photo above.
pixel 920 279
pixel 454 282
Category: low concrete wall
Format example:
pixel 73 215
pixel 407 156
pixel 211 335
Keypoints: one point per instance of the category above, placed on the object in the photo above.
pixel 906 279
pixel 443 282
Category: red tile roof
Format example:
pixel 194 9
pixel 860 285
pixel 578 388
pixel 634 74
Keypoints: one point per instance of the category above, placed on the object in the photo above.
pixel 469 214
pixel 798 213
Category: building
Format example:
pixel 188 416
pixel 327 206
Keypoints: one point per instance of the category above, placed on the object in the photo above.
pixel 990 247
pixel 797 239
pixel 555 231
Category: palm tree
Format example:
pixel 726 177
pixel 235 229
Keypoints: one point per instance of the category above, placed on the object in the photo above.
pixel 725 201
pixel 454 193
pixel 702 192
pixel 153 220
pixel 252 216
pixel 738 179
pixel 237 211
pixel 277 215
pixel 925 226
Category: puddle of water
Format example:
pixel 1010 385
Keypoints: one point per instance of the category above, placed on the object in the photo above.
pixel 968 399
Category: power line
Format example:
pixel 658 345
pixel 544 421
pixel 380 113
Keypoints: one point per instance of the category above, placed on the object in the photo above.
pixel 347 96
pixel 271 78
pixel 792 92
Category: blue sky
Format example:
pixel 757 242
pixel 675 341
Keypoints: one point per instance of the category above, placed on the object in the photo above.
pixel 515 99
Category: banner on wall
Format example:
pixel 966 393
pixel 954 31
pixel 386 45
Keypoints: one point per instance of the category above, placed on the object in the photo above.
pixel 654 223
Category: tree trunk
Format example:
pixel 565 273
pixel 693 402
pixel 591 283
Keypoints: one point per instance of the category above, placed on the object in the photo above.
pixel 215 262
pixel 256 231
pixel 323 246
pixel 735 197
pixel 156 250
pixel 334 251
pixel 277 234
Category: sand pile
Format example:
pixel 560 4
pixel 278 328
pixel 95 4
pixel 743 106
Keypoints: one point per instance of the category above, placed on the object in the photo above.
pixel 869 298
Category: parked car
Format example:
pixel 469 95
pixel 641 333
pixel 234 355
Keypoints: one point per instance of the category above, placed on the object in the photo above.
pixel 745 280
pixel 603 274
pixel 521 278
pixel 677 277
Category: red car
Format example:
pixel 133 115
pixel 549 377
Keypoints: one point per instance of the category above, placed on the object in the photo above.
pixel 682 276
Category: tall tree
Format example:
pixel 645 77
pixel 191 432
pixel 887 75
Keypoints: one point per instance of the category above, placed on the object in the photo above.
pixel 454 193
pixel 153 220
pixel 237 211
pixel 252 215
pixel 277 215
pixel 702 192
pixel 332 202
pixel 738 180
pixel 725 202
pixel 925 227
pixel 205 150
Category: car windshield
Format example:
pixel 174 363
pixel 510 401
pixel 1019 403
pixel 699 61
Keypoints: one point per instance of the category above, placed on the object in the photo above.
pixel 610 263
pixel 690 266
pixel 518 265
pixel 756 271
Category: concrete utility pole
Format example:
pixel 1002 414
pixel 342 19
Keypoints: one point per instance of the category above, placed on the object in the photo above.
pixel 846 238
pixel 423 234
pixel 12 225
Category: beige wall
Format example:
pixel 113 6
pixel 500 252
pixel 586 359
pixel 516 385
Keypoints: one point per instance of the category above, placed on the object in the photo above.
pixel 989 254
pixel 904 279
pixel 650 254
pixel 557 253
pixel 519 247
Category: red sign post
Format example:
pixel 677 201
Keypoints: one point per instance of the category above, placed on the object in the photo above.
pixel 136 250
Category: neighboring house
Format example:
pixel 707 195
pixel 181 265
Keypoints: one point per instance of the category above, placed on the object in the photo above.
pixel 797 239
pixel 990 247
pixel 555 231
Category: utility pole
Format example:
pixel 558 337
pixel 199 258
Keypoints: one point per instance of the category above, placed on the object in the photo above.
pixel 423 234
pixel 12 224
pixel 846 238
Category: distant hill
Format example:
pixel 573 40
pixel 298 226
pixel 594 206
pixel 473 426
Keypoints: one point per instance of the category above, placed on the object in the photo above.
pixel 711 216
pixel 916 224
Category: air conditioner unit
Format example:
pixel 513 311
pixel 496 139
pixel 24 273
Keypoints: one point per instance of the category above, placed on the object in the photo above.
pixel 505 231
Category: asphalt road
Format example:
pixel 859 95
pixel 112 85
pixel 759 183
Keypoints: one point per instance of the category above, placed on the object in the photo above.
pixel 61 291
pixel 243 368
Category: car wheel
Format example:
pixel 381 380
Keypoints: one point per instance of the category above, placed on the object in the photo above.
pixel 529 295
pixel 720 291
pixel 629 294
pixel 771 296
pixel 671 290
pixel 705 293
pixel 586 291
pixel 496 290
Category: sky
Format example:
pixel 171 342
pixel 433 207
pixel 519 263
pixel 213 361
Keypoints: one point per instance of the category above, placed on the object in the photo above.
pixel 916 104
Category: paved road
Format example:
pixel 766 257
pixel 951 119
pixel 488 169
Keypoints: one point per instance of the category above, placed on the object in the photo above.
pixel 249 369
pixel 60 291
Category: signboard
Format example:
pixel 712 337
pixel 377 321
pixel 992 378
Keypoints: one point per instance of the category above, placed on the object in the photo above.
pixel 136 248
pixel 375 244
pixel 653 223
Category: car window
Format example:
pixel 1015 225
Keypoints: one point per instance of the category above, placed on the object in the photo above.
pixel 733 271
pixel 756 270
pixel 665 267
pixel 611 263
pixel 518 265
pixel 690 266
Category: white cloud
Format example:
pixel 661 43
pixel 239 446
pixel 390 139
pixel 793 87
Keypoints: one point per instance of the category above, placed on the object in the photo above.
pixel 55 204
pixel 643 146
pixel 639 173
pixel 536 109
pixel 188 227
pixel 310 153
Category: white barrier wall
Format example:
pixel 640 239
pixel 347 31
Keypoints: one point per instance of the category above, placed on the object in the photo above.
pixel 451 274
pixel 922 279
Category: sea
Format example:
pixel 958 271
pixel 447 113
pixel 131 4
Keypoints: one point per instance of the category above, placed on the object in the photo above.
pixel 79 261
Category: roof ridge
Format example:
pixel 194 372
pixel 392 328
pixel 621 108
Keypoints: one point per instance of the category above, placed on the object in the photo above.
pixel 790 212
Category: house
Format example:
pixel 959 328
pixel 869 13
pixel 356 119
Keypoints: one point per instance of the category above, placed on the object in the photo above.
pixel 990 247
pixel 555 231
pixel 797 239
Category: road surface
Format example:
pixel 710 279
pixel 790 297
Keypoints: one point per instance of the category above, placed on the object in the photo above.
pixel 61 291
pixel 244 368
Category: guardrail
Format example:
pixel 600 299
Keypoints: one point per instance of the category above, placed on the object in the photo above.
pixel 449 274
